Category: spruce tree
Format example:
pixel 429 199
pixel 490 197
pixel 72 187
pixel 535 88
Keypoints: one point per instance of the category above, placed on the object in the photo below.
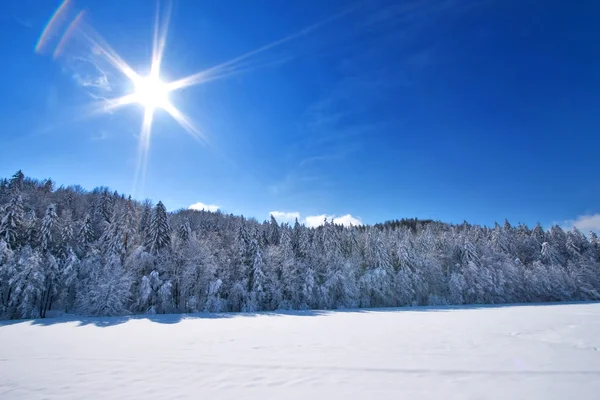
pixel 86 233
pixel 49 227
pixel 16 182
pixel 273 232
pixel 183 233
pixel 11 225
pixel 159 233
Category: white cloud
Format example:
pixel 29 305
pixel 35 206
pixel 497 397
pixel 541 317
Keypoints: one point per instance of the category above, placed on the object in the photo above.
pixel 347 220
pixel 584 223
pixel 282 216
pixel 317 220
pixel 201 206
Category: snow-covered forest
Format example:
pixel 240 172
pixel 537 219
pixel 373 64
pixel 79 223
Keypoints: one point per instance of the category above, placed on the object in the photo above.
pixel 100 253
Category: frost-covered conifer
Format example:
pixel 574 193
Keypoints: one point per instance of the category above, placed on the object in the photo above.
pixel 108 291
pixel 159 235
pixel 12 227
pixel 49 228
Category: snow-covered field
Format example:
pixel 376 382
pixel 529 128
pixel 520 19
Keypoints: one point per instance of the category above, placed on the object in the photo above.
pixel 512 352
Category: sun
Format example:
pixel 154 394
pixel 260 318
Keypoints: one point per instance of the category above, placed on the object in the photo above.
pixel 151 92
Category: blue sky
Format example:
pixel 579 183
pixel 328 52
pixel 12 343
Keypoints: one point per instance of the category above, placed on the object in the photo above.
pixel 449 110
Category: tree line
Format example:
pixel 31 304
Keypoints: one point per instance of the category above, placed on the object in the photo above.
pixel 100 253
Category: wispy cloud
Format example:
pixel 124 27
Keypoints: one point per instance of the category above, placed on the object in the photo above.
pixel 584 223
pixel 383 52
pixel 282 216
pixel 201 206
pixel 96 82
pixel 88 73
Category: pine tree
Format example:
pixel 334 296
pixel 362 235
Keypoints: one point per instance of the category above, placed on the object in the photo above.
pixel 107 292
pixel 257 284
pixel 145 220
pixel 549 255
pixel 273 232
pixel 49 227
pixel 70 278
pixel 27 285
pixel 48 186
pixel 66 237
pixel 11 225
pixel 112 240
pixel 7 271
pixel 127 227
pixel 539 234
pixel 291 273
pixel 183 233
pixel 106 207
pixel 16 182
pixel 159 233
pixel 86 233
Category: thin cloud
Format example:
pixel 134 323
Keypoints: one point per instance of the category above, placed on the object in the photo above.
pixel 88 73
pixel 206 207
pixel 97 82
pixel 584 223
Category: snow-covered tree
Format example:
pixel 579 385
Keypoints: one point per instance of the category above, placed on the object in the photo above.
pixel 257 296
pixel 17 180
pixel 86 233
pixel 107 292
pixel 159 235
pixel 49 228
pixel 12 227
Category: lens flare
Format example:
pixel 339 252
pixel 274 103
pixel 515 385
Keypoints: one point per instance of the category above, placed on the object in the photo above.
pixel 67 35
pixel 52 25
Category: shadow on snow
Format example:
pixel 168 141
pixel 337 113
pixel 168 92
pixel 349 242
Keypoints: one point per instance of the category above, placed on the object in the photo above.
pixel 104 322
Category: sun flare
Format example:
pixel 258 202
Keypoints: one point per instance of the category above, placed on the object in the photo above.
pixel 151 92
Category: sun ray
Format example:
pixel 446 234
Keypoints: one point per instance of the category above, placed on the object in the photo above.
pixel 143 150
pixel 101 47
pixel 186 123
pixel 159 39
pixel 112 104
pixel 201 77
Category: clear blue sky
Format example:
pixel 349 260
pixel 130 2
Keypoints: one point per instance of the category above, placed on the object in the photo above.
pixel 444 110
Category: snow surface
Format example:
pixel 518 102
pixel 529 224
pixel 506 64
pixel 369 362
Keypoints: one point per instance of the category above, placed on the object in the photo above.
pixel 508 352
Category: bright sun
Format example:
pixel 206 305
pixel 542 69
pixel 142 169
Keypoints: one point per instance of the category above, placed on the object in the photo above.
pixel 151 92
